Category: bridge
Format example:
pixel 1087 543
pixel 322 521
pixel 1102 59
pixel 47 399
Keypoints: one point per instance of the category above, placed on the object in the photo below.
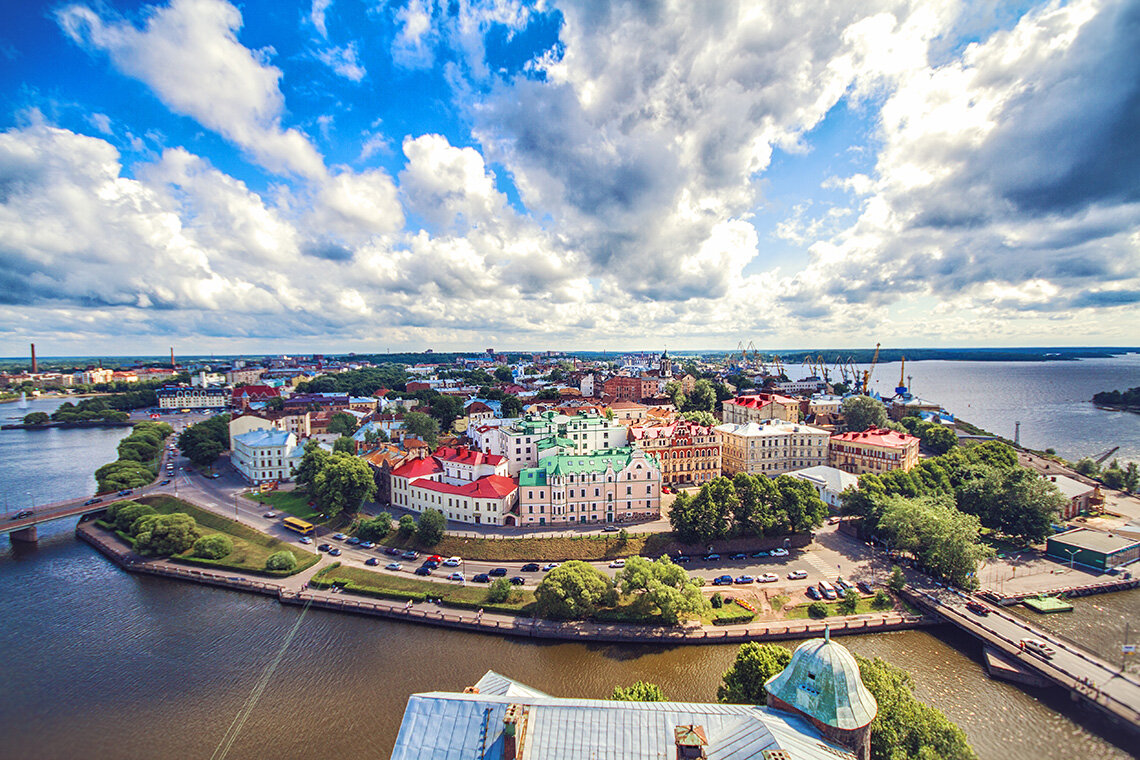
pixel 24 528
pixel 1085 676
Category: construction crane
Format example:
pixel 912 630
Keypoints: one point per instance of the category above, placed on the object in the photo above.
pixel 901 389
pixel 778 365
pixel 867 372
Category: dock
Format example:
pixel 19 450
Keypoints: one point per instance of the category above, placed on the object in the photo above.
pixel 1045 605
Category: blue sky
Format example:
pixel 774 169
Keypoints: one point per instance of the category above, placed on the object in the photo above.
pixel 344 175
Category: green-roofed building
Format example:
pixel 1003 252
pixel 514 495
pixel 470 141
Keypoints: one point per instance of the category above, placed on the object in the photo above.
pixel 583 433
pixel 609 485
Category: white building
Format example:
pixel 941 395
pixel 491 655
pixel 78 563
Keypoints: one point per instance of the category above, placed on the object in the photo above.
pixel 771 447
pixel 262 455
pixel 193 398
pixel 829 483
pixel 584 433
pixel 465 485
pixel 807 385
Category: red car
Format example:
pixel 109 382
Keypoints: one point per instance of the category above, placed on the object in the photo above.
pixel 977 608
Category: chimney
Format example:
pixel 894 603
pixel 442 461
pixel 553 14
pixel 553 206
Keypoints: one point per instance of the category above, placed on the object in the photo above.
pixel 690 742
pixel 35 367
pixel 172 364
pixel 514 731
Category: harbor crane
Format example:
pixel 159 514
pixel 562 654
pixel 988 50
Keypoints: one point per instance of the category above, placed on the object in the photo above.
pixel 870 370
pixel 1100 458
pixel 901 390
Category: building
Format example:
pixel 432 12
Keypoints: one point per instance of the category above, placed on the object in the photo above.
pixel 770 447
pixel 689 453
pixel 629 412
pixel 242 397
pixel 193 398
pixel 807 385
pixel 263 455
pixel 829 483
pixel 876 450
pixel 96 375
pixel 1093 548
pixel 757 407
pixel 612 485
pixel 465 485
pixel 582 433
pixel 502 718
pixel 624 388
pixel 246 375
pixel 1078 495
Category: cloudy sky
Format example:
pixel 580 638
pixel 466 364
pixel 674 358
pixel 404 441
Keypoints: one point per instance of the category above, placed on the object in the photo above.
pixel 367 175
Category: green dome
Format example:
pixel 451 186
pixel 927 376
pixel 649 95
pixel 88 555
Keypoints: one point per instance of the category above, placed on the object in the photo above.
pixel 822 681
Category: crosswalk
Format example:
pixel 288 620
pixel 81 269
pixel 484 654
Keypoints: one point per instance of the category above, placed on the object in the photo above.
pixel 817 562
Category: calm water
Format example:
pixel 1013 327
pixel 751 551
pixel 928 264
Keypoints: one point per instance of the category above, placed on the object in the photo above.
pixel 133 667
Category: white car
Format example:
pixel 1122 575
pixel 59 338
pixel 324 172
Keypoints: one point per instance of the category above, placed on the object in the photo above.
pixel 305 540
pixel 549 566
pixel 767 578
pixel 779 552
pixel 796 575
pixel 618 563
pixel 455 577
pixel 452 562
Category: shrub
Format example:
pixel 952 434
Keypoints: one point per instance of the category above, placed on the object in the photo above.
pixel 429 531
pixel 282 560
pixel 850 602
pixel 882 600
pixel 375 528
pixel 126 515
pixel 717 601
pixel 164 534
pixel 406 525
pixel 500 591
pixel 214 546
pixel 897 580
pixel 817 610
pixel 778 602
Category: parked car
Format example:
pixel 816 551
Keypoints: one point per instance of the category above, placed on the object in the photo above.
pixel 977 608
pixel 392 550
pixel 518 580
pixel 324 547
pixel 549 566
pixel 455 577
pixel 812 592
pixel 796 575
pixel 431 563
pixel 867 587
pixel 778 552
pixel 339 536
pixel 269 515
pixel 366 544
pixel 498 572
pixel 767 578
pixel 618 563
pixel 452 562
pixel 712 557
pixel 436 558
pixel 610 529
pixel 393 566
pixel 372 561
pixel 89 502
pixel 423 570
pixel 722 580
pixel 842 585
pixel 352 540
pixel 740 580
pixel 740 555
pixel 334 552
pixel 22 514
pixel 681 559
pixel 305 540
pixel 410 554
pixel 481 578
pixel 759 555
pixel 1038 647
pixel 165 482
pixel 530 567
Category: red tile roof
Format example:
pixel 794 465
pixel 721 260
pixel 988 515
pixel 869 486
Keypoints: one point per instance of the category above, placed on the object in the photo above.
pixel 877 437
pixel 464 455
pixel 418 468
pixel 486 487
pixel 255 392
pixel 758 400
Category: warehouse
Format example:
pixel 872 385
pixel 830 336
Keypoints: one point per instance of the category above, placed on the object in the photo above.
pixel 1093 548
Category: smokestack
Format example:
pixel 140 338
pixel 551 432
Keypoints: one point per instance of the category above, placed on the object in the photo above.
pixel 35 367
pixel 172 364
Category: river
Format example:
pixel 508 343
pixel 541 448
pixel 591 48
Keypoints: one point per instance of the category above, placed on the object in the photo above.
pixel 105 664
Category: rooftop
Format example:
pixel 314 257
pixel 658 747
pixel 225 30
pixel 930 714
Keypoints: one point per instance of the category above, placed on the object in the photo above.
pixel 878 437
pixel 486 487
pixel 823 681
pixel 1072 489
pixel 265 437
pixel 758 400
pixel 832 478
pixel 768 427
pixel 1094 540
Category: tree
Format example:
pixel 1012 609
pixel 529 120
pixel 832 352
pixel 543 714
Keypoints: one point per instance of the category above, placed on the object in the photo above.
pixel 882 600
pixel 1087 467
pixel 126 514
pixel 116 476
pixel 904 726
pixel 800 508
pixel 850 602
pixel 743 682
pixel 406 525
pixel 445 410
pixel 342 423
pixel 511 406
pixel 817 610
pixel 675 393
pixel 701 418
pixel 642 691
pixel 375 528
pixel 164 535
pixel 420 425
pixel 213 546
pixel 702 399
pixel 944 540
pixel 344 445
pixel 862 412
pixel 312 462
pixel 504 374
pixel 1015 501
pixel 499 591
pixel 1113 477
pixel 429 530
pixel 897 581
pixel 661 585
pixel 1131 478
pixel 37 418
pixel 282 560
pixel 204 452
pixel 939 439
pixel 573 590
pixel 343 484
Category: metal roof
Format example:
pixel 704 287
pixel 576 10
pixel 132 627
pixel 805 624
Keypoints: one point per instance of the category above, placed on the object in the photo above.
pixel 823 681
pixel 1094 540
pixel 448 725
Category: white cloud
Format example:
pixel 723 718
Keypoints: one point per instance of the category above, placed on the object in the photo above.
pixel 344 61
pixel 317 16
pixel 450 187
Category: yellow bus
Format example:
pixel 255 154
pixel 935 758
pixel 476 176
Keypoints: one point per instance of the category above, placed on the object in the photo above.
pixel 300 526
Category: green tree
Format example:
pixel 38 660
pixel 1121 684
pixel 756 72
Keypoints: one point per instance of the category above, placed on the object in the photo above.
pixel 799 507
pixel 314 459
pixel 663 586
pixel 882 600
pixel 817 610
pixel 939 439
pixel 429 529
pixel 37 418
pixel 1131 478
pixel 343 484
pixel 126 515
pixel 375 528
pixel 702 399
pixel 849 603
pixel 342 423
pixel 344 445
pixel 163 535
pixel 675 393
pixel 862 412
pixel 944 540
pixel 406 525
pixel 204 452
pixel 701 418
pixel 573 590
pixel 116 476
pixel 421 426
pixel 642 691
pixel 445 410
pixel 499 591
pixel 282 560
pixel 1113 476
pixel 213 546
pixel 1015 501
pixel 897 581
pixel 1087 467
pixel 743 682
pixel 504 374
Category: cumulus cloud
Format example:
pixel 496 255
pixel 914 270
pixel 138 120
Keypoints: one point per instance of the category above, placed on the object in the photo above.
pixel 344 61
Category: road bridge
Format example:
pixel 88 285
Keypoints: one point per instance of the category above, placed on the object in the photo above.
pixel 1088 678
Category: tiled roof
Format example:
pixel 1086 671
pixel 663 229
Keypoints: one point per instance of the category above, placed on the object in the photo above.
pixel 486 487
pixel 877 437
pixel 758 400
pixel 418 468
pixel 464 455
pixel 564 464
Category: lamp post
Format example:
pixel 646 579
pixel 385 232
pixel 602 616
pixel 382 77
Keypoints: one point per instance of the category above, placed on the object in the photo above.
pixel 1072 556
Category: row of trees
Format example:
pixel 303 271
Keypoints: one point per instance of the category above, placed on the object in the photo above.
pixel 705 396
pixel 747 505
pixel 1126 478
pixel 337 482
pixel 576 590
pixel 358 382
pixel 204 442
pixel 1128 398
pixel 137 462
pixel 154 534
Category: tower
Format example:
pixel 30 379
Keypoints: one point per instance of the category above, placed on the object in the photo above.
pixel 666 365
pixel 35 367
pixel 822 684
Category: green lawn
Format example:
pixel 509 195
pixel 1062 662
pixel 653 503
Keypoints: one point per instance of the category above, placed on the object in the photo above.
pixel 295 503
pixel 800 612
pixel 470 595
pixel 251 547
pixel 605 546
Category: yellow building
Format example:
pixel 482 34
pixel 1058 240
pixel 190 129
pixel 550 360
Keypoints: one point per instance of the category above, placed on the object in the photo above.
pixel 771 447
pixel 757 407
pixel 876 450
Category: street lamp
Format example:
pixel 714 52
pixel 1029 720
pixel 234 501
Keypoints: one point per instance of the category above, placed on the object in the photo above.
pixel 1072 556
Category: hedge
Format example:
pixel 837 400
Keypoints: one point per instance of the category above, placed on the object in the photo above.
pixel 744 617
pixel 302 564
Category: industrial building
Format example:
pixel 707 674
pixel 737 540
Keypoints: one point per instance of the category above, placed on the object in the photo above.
pixel 1093 548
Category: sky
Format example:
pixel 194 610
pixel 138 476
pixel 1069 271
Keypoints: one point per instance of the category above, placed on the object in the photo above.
pixel 344 175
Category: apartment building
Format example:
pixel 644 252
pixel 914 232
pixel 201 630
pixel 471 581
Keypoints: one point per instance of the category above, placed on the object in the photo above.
pixel 876 450
pixel 613 485
pixel 264 454
pixel 465 485
pixel 582 433
pixel 770 447
pixel 757 407
pixel 689 453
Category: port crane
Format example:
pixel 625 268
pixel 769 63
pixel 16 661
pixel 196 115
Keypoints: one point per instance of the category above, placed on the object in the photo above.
pixel 1100 458
pixel 867 372
pixel 901 390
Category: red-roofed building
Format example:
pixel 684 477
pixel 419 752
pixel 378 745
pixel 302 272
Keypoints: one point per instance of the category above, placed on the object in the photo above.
pixel 760 406
pixel 876 450
pixel 689 453
pixel 465 485
pixel 248 394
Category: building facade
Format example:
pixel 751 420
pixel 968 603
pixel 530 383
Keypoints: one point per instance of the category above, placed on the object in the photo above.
pixel 770 447
pixel 583 433
pixel 757 407
pixel 689 453
pixel 829 483
pixel 263 455
pixel 193 398
pixel 614 485
pixel 876 451
pixel 465 485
